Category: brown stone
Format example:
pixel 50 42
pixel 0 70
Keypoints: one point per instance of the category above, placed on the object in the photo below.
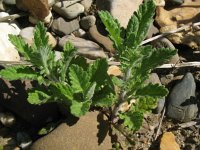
pixel 99 38
pixel 168 142
pixel 90 132
pixel 38 8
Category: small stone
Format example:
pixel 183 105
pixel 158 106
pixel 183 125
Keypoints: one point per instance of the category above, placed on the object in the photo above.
pixel 10 2
pixel 39 9
pixel 28 34
pixel 114 70
pixel 87 4
pixel 7 119
pixel 79 33
pixel 85 48
pixel 51 2
pixel 120 9
pixel 168 142
pixel 61 27
pixel 70 11
pixel 7 49
pixel 87 22
pixel 85 134
pixel 182 103
pixel 101 39
pixel 24 140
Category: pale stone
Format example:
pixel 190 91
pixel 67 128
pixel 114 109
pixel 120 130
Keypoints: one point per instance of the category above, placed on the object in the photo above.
pixel 7 49
pixel 177 17
pixel 120 9
pixel 168 142
pixel 28 34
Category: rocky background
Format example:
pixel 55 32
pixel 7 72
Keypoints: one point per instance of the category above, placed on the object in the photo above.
pixel 173 125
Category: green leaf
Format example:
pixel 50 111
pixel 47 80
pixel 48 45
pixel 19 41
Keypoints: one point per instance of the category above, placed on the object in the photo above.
pixel 40 36
pixel 79 79
pixel 104 100
pixel 146 103
pixel 79 109
pixel 98 71
pixel 113 28
pixel 90 92
pixel 139 24
pixel 47 129
pixel 154 57
pixel 67 56
pixel 132 119
pixel 19 72
pixel 62 92
pixel 153 90
pixel 20 45
pixel 38 97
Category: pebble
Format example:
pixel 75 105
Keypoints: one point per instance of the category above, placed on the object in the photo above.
pixel 101 39
pixel 70 10
pixel 7 49
pixel 87 22
pixel 182 103
pixel 114 70
pixel 28 34
pixel 62 27
pixel 39 9
pixel 87 4
pixel 85 48
pixel 24 140
pixel 10 2
pixel 79 33
pixel 7 119
pixel 168 142
pixel 120 9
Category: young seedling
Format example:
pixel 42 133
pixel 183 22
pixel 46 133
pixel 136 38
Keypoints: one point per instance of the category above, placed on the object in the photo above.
pixel 137 63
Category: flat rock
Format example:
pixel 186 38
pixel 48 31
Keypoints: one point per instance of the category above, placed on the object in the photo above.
pixel 168 142
pixel 101 39
pixel 69 10
pixel 90 132
pixel 182 103
pixel 13 97
pixel 85 48
pixel 28 34
pixel 7 49
pixel 62 27
pixel 87 22
pixel 120 9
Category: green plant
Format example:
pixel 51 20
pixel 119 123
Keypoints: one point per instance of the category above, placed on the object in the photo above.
pixel 79 86
pixel 69 81
pixel 137 63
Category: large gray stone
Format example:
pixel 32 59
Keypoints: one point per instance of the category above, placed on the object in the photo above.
pixel 62 27
pixel 182 103
pixel 85 48
pixel 89 133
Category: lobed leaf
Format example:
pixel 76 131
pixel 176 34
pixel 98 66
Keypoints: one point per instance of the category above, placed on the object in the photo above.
pixel 139 24
pixel 113 27
pixel 79 109
pixel 19 72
